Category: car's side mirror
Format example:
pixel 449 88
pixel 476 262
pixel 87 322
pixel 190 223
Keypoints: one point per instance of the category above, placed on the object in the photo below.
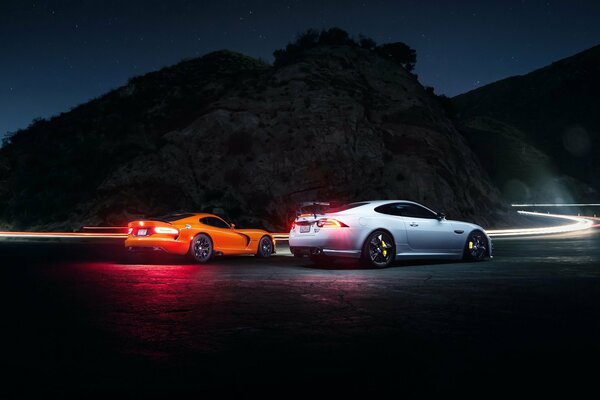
pixel 441 216
pixel 232 226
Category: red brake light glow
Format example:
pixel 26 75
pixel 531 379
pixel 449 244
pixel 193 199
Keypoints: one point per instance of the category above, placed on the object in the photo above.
pixel 130 231
pixel 330 223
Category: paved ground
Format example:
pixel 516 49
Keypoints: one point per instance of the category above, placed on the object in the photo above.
pixel 76 318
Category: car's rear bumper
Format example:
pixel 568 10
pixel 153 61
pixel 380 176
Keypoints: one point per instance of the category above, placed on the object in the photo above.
pixel 167 245
pixel 340 242
pixel 319 251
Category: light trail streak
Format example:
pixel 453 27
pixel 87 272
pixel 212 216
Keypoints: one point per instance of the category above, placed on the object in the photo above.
pixel 104 228
pixel 63 235
pixel 556 205
pixel 595 219
pixel 580 224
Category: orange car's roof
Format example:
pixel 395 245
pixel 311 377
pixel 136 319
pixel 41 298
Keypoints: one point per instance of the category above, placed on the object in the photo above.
pixel 196 217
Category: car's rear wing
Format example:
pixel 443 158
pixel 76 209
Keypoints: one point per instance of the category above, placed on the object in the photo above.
pixel 314 208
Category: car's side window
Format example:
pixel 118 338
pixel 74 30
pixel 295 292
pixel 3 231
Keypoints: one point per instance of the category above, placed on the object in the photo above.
pixel 397 209
pixel 405 210
pixel 416 211
pixel 216 222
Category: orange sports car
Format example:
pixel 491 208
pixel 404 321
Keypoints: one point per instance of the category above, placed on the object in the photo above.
pixel 201 236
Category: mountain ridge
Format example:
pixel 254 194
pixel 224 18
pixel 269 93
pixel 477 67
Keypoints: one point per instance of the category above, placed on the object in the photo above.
pixel 227 131
pixel 549 113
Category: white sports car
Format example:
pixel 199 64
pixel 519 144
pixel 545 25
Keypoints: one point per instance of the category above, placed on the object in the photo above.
pixel 379 232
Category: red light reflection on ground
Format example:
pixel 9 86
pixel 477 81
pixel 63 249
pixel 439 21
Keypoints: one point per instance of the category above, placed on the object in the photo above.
pixel 156 305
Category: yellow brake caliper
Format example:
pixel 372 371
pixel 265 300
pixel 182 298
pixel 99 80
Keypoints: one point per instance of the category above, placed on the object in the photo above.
pixel 384 247
pixel 470 245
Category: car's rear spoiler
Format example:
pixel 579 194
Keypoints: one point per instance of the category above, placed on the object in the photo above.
pixel 314 208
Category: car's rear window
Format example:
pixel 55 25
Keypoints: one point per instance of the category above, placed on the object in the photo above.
pixel 345 207
pixel 172 217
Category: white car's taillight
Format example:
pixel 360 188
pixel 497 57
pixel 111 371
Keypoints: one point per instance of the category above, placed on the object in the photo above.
pixel 330 223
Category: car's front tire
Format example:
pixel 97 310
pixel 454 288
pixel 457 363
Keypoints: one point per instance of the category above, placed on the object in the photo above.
pixel 378 250
pixel 265 247
pixel 201 248
pixel 476 247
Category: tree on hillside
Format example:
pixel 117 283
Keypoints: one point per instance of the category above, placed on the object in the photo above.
pixel 400 53
pixel 335 37
pixel 366 42
pixel 312 38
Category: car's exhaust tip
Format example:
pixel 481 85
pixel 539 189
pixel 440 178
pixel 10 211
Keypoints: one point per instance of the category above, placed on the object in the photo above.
pixel 315 251
pixel 306 251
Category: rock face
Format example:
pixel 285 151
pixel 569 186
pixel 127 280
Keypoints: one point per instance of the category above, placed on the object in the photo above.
pixel 537 134
pixel 228 131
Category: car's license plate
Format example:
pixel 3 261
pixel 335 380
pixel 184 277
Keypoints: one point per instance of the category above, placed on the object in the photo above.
pixel 142 232
pixel 304 228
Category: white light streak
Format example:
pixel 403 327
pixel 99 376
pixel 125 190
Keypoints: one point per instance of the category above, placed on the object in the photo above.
pixel 580 224
pixel 557 205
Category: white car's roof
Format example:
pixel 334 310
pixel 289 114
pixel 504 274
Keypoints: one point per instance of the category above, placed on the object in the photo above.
pixel 381 202
pixel 377 203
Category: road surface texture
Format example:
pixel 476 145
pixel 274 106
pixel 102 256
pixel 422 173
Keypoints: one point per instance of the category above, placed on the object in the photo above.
pixel 78 319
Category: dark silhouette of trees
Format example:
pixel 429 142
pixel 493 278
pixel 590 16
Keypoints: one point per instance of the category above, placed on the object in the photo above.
pixel 7 138
pixel 400 53
pixel 366 42
pixel 309 39
pixel 335 37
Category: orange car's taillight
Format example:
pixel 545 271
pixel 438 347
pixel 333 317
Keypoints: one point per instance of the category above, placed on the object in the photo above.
pixel 163 230
pixel 330 223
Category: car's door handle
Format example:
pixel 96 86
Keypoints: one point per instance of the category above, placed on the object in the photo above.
pixel 414 224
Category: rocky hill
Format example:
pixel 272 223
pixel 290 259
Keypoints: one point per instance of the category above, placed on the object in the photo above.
pixel 537 134
pixel 339 122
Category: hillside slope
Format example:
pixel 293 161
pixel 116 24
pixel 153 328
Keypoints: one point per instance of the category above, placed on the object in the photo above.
pixel 536 134
pixel 227 131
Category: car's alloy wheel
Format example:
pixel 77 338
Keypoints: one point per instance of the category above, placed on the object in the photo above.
pixel 476 246
pixel 378 250
pixel 265 247
pixel 201 248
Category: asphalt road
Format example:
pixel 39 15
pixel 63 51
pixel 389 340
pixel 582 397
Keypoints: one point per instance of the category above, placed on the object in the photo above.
pixel 77 319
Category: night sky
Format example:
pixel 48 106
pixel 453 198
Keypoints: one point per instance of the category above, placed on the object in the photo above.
pixel 58 54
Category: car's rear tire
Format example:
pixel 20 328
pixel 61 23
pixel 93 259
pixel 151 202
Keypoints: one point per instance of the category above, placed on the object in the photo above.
pixel 265 247
pixel 201 248
pixel 475 247
pixel 296 253
pixel 379 250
